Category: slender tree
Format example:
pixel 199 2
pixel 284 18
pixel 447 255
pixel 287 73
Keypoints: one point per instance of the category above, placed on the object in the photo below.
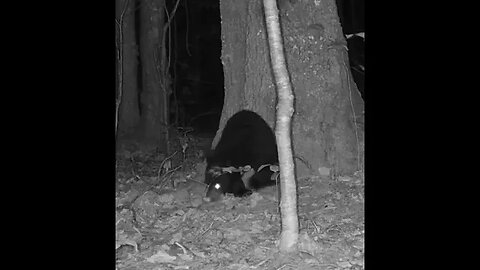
pixel 152 16
pixel 288 202
pixel 127 54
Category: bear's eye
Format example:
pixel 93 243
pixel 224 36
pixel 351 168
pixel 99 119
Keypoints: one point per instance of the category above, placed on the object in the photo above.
pixel 217 186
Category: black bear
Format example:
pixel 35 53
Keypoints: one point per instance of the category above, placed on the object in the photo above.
pixel 247 140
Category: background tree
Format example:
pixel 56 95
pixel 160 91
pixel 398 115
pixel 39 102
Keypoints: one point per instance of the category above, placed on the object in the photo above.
pixel 128 112
pixel 154 86
pixel 325 135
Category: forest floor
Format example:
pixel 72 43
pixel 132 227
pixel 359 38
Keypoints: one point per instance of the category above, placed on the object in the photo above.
pixel 162 221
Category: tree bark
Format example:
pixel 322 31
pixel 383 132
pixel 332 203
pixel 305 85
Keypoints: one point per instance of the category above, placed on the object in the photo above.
pixel 325 134
pixel 247 72
pixel 151 47
pixel 129 114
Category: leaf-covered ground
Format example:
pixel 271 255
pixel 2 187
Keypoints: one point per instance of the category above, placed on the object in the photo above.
pixel 162 221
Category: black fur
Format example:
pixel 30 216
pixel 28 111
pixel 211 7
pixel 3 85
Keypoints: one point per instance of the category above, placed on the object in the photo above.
pixel 246 140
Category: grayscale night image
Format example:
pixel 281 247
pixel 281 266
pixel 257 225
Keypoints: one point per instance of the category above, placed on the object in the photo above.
pixel 239 134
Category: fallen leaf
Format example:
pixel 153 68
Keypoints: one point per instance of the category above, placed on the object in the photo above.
pixel 161 257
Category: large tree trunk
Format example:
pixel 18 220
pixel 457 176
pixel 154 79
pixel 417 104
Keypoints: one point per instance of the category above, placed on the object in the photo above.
pixel 247 72
pixel 324 131
pixel 129 114
pixel 151 54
